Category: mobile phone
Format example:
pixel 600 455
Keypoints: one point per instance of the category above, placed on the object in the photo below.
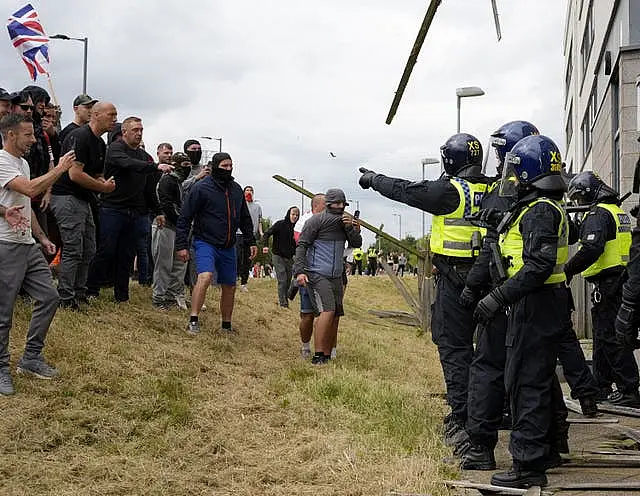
pixel 356 214
pixel 72 144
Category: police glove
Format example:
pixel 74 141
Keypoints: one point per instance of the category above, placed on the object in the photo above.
pixel 366 180
pixel 468 298
pixel 491 216
pixel 489 306
pixel 626 328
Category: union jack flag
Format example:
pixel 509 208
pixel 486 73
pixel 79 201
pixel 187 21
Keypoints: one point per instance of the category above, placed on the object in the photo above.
pixel 27 35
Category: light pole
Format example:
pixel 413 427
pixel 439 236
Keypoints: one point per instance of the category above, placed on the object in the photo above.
pixel 219 140
pixel 84 40
pixel 357 202
pixel 426 161
pixel 399 216
pixel 467 91
pixel 301 181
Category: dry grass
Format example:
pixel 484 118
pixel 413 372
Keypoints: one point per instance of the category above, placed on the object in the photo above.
pixel 143 409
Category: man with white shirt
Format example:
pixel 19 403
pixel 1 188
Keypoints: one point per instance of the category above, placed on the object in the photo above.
pixel 22 263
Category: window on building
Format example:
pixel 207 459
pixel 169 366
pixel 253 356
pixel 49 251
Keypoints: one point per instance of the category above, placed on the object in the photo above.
pixel 615 131
pixel 567 76
pixel 585 130
pixel 587 41
pixel 593 101
pixel 569 127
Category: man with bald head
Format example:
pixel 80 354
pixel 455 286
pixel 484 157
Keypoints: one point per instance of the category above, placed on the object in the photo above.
pixel 71 201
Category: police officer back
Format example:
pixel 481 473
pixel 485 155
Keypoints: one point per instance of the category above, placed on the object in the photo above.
pixel 605 237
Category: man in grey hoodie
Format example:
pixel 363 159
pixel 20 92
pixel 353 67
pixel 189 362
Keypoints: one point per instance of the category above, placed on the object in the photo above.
pixel 319 265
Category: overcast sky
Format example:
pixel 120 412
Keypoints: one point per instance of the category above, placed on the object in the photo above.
pixel 285 82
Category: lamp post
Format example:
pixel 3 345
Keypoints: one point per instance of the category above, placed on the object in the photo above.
pixel 219 140
pixel 426 161
pixel 357 202
pixel 84 40
pixel 467 91
pixel 399 216
pixel 301 181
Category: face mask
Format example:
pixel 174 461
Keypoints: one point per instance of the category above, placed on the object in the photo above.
pixel 335 211
pixel 182 172
pixel 194 156
pixel 248 196
pixel 223 175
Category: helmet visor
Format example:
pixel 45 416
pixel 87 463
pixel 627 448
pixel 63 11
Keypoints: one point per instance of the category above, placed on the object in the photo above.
pixel 509 182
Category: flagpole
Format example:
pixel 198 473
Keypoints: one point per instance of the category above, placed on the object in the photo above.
pixel 53 93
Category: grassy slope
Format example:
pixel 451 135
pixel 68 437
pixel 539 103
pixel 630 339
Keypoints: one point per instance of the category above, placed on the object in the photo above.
pixel 141 408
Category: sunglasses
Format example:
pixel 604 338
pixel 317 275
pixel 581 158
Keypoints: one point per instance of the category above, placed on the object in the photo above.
pixel 26 107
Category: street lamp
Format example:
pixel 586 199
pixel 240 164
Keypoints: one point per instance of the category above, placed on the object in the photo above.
pixel 426 161
pixel 84 40
pixel 301 181
pixel 219 140
pixel 467 91
pixel 399 216
pixel 357 202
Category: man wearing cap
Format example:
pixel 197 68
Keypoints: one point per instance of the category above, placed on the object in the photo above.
pixel 82 105
pixel 319 265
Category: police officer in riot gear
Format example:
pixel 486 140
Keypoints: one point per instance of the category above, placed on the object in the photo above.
pixel 627 323
pixel 455 243
pixel 605 237
pixel 486 378
pixel 534 243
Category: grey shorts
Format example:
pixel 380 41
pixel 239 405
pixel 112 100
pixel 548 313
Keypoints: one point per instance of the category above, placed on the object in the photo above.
pixel 326 294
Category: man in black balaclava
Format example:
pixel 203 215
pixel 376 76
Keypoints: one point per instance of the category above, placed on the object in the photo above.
pixel 193 149
pixel 168 272
pixel 217 208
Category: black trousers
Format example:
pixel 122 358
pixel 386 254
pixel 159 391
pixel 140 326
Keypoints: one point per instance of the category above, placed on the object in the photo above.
pixel 574 365
pixel 373 266
pixel 452 328
pixel 486 383
pixel 611 362
pixel 356 266
pixel 536 325
pixel 244 263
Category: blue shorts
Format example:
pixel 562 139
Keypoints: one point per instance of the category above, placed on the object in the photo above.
pixel 222 261
pixel 306 306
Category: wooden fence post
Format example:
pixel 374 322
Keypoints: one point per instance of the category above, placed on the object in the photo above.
pixel 425 288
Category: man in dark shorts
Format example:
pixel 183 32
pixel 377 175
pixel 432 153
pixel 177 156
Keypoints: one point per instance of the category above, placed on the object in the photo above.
pixel 323 238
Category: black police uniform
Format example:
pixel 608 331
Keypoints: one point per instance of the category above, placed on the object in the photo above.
pixel 612 362
pixel 452 325
pixel 537 319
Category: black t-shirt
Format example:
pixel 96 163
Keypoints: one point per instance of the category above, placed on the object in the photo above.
pixel 90 151
pixel 72 126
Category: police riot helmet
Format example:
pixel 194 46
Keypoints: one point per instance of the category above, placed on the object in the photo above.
pixel 586 188
pixel 461 152
pixel 507 135
pixel 533 163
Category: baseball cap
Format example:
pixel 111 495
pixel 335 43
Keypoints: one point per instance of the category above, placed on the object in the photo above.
pixel 83 99
pixel 6 96
pixel 335 195
pixel 179 158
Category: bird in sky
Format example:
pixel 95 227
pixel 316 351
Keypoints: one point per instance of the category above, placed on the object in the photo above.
pixel 332 155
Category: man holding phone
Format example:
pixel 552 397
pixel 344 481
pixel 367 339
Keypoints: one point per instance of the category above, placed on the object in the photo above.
pixel 71 199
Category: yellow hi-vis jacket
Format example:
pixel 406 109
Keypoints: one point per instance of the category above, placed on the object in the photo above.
pixel 616 251
pixel 511 244
pixel 451 234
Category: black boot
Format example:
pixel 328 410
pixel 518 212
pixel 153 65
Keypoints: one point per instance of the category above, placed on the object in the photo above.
pixel 478 458
pixel 519 478
pixel 589 406
pixel 454 432
pixel 629 399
